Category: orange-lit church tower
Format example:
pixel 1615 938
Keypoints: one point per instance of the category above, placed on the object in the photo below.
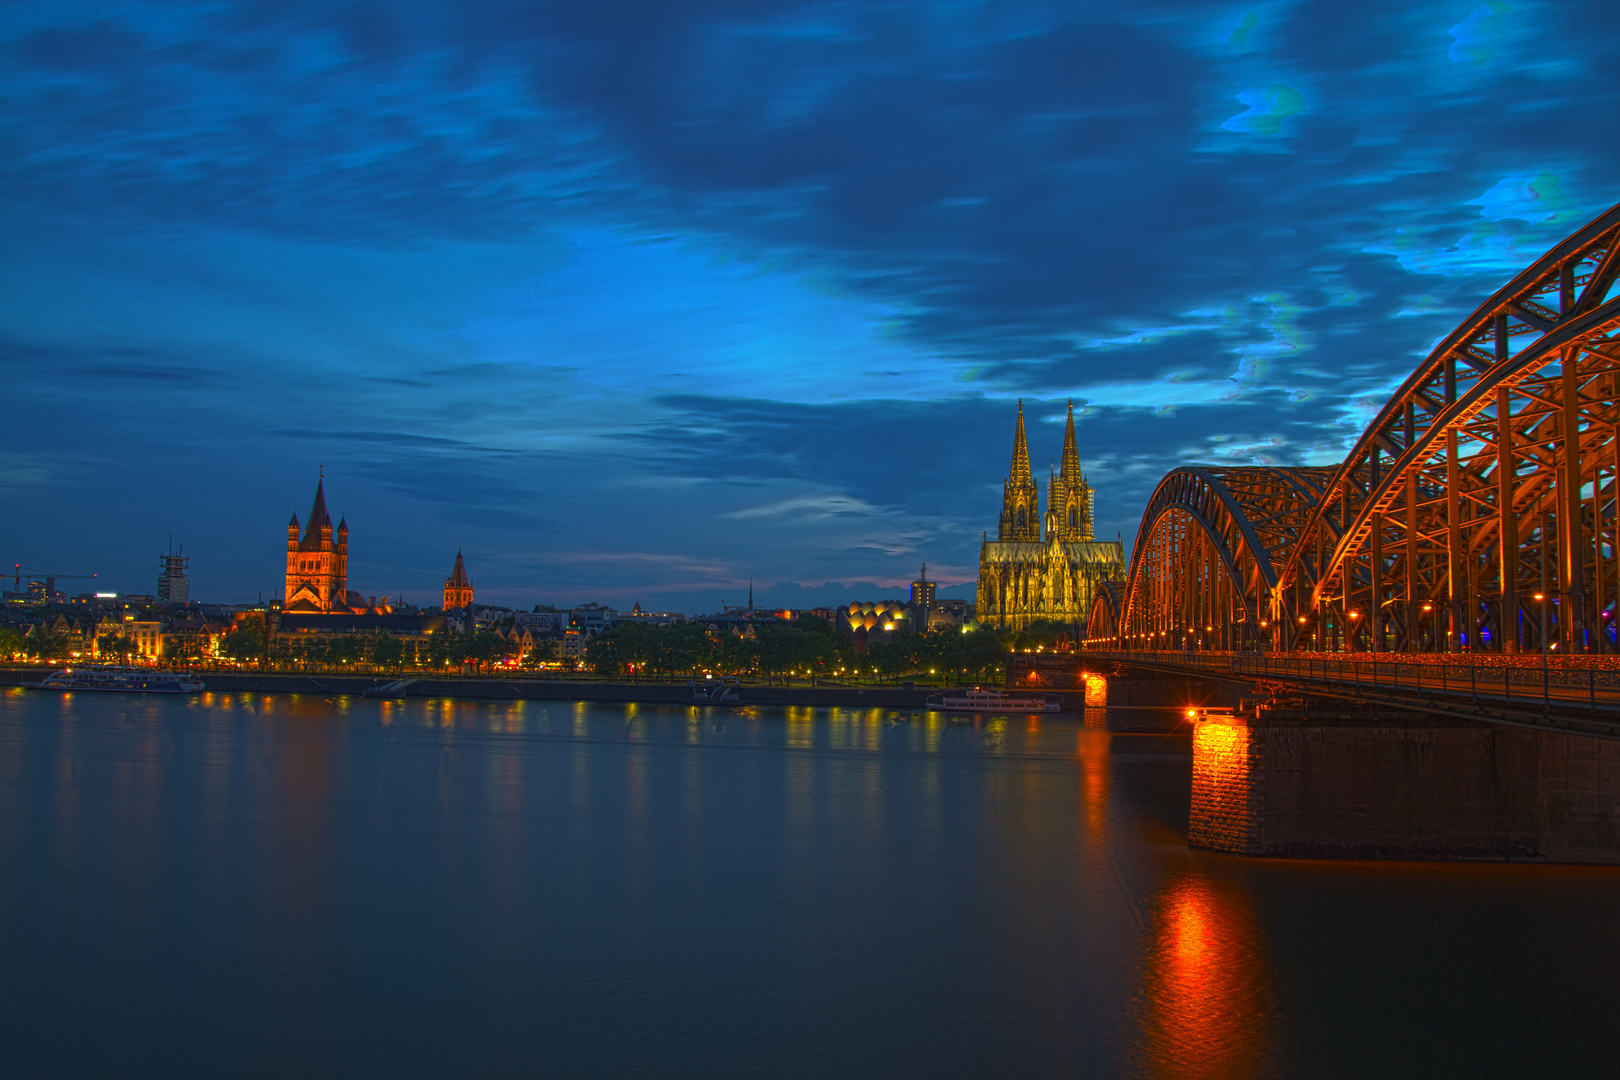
pixel 458 590
pixel 318 563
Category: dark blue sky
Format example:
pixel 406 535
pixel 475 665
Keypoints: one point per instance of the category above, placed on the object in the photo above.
pixel 637 300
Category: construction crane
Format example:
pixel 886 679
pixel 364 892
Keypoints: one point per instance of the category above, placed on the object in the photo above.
pixel 49 578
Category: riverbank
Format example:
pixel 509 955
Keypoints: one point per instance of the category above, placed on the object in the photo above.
pixel 890 697
pixel 1149 696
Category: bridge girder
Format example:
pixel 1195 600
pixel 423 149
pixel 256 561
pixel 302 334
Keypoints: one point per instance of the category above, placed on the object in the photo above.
pixel 1508 429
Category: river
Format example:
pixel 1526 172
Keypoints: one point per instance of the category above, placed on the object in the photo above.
pixel 277 885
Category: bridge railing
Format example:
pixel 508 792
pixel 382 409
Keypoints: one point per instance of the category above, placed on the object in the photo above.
pixel 1520 681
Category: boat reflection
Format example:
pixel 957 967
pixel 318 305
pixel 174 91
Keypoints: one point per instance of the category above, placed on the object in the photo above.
pixel 1206 994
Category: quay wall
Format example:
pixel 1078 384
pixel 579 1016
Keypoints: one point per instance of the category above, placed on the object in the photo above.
pixel 889 697
pixel 1402 786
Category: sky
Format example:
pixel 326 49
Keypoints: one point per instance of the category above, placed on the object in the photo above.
pixel 638 302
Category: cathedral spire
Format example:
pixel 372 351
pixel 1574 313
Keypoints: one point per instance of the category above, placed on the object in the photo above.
pixel 1020 472
pixel 1070 469
pixel 1020 498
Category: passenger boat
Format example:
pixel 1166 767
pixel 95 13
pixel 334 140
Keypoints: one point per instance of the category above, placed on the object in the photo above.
pixel 977 700
pixel 129 680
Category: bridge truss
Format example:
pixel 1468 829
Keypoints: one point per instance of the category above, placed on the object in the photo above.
pixel 1478 512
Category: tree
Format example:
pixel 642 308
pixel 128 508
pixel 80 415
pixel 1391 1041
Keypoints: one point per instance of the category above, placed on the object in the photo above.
pixel 385 650
pixel 788 649
pixel 47 644
pixel 11 642
pixel 116 644
pixel 813 623
pixel 248 641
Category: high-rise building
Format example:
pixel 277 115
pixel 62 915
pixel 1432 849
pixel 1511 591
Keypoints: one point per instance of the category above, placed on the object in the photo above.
pixel 922 590
pixel 173 586
pixel 1024 576
pixel 458 590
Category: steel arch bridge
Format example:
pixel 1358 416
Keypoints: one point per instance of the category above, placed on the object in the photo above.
pixel 1478 512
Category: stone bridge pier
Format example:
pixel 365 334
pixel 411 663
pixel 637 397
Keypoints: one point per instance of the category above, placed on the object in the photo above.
pixel 1338 781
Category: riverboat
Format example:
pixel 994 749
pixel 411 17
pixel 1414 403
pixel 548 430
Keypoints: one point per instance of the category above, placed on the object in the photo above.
pixel 128 680
pixel 977 700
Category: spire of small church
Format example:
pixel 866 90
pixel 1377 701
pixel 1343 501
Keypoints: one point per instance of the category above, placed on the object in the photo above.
pixel 458 588
pixel 1070 469
pixel 750 594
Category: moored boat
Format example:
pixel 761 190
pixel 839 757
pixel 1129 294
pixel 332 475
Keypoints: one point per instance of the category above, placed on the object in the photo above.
pixel 129 680
pixel 978 700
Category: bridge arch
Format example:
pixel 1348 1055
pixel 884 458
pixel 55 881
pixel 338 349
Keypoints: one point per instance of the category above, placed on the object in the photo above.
pixel 1481 504
pixel 1208 555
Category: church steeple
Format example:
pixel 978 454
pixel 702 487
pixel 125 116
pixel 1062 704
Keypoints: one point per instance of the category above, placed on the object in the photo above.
pixel 1020 498
pixel 458 588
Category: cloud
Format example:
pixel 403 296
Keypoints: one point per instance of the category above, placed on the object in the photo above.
pixel 668 278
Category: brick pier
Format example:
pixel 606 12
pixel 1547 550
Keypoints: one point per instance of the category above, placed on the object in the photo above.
pixel 1364 784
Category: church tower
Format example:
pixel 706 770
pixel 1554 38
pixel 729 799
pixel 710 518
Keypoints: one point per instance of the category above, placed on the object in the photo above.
pixel 1069 499
pixel 458 590
pixel 1020 498
pixel 317 562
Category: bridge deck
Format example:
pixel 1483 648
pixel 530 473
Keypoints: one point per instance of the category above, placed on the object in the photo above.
pixel 1566 694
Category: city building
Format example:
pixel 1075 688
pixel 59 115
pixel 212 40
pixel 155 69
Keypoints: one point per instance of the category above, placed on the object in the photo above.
pixel 1025 575
pixel 651 618
pixel 173 586
pixel 414 632
pixel 592 619
pixel 878 622
pixel 458 590
pixel 318 565
pixel 922 590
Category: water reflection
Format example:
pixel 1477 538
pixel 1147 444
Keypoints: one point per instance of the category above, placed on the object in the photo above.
pixel 1206 989
pixel 1093 751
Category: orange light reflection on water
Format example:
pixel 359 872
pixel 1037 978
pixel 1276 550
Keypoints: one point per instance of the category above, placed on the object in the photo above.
pixel 1206 993
pixel 1093 747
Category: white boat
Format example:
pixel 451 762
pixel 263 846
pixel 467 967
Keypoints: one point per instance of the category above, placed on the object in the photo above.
pixel 977 700
pixel 128 680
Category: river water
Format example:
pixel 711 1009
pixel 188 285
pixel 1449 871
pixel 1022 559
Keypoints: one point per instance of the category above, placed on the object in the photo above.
pixel 257 885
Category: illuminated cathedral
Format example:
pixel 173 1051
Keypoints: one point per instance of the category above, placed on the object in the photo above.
pixel 1034 570
pixel 318 565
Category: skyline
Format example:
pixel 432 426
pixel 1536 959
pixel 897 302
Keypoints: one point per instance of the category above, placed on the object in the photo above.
pixel 637 304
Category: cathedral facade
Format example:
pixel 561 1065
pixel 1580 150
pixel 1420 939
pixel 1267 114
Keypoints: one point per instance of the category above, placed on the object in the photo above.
pixel 1047 568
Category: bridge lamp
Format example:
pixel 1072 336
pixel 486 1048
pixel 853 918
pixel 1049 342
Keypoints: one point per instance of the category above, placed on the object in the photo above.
pixel 1355 614
pixel 1538 596
pixel 1302 618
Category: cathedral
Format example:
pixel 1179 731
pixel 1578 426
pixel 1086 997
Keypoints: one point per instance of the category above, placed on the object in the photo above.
pixel 318 565
pixel 1034 570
